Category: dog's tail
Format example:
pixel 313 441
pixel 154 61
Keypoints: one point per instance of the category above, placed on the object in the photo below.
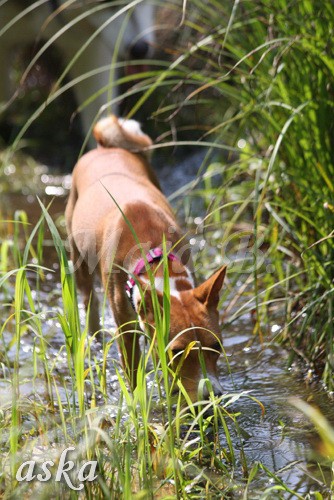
pixel 113 132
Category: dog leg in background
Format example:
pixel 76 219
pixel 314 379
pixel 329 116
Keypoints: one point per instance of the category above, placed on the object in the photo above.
pixel 83 274
pixel 85 282
pixel 5 90
pixel 94 93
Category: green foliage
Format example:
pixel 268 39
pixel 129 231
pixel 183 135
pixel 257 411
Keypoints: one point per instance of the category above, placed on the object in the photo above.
pixel 265 70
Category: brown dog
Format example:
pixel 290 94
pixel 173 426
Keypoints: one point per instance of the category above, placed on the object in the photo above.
pixel 115 194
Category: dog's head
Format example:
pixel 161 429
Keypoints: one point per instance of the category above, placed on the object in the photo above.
pixel 194 336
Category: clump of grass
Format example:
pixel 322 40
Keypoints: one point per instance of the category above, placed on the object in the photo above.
pixel 265 71
pixel 291 76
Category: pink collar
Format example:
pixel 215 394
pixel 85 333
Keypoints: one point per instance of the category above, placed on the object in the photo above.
pixel 151 256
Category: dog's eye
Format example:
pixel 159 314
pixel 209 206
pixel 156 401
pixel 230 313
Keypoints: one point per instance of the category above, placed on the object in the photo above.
pixel 177 352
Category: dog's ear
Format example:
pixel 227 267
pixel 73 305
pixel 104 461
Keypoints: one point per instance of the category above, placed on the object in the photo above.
pixel 208 292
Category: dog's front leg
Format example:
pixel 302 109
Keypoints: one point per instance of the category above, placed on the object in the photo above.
pixel 127 331
pixel 129 349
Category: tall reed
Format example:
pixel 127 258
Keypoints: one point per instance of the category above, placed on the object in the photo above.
pixel 259 78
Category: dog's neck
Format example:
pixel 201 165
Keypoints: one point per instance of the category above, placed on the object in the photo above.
pixel 180 278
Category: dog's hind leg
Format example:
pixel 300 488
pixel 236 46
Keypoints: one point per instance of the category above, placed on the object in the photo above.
pixel 85 282
pixel 84 276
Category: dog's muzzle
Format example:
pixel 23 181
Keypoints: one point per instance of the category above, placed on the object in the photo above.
pixel 212 385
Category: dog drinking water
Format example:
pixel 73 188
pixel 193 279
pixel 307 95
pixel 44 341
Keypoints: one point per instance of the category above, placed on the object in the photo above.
pixel 117 221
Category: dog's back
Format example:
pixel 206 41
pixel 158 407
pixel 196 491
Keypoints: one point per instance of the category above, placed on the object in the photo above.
pixel 111 179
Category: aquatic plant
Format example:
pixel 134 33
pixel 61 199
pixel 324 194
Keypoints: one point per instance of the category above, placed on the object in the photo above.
pixel 63 392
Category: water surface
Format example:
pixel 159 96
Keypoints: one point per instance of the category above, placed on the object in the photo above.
pixel 281 439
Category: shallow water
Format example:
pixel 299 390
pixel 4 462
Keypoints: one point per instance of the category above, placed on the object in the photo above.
pixel 281 439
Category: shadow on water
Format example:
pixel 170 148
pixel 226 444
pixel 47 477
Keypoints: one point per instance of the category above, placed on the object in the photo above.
pixel 281 439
